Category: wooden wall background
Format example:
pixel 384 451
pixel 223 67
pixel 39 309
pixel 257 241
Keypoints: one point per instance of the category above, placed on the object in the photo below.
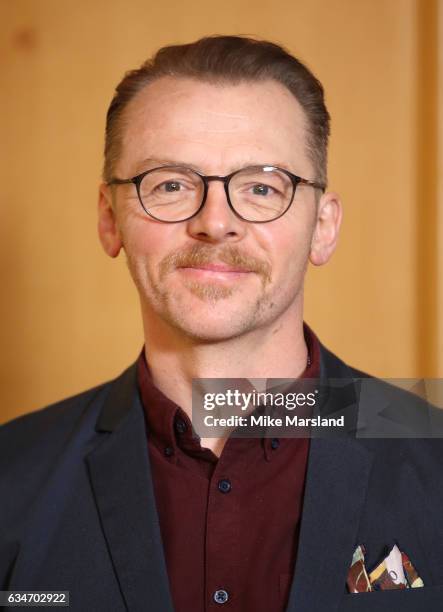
pixel 69 316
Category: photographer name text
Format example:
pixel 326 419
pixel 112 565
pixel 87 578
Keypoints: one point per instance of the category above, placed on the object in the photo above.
pixel 292 420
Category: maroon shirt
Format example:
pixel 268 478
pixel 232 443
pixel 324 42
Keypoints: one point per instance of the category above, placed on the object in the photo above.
pixel 229 525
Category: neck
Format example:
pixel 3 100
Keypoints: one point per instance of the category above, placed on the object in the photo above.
pixel 275 351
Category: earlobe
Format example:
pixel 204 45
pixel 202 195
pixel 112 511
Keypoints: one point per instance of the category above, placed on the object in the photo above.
pixel 325 236
pixel 108 230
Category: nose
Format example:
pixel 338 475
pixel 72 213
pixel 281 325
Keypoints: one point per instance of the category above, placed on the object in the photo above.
pixel 216 222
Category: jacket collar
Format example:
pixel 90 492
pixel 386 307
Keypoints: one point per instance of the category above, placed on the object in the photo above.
pixel 119 401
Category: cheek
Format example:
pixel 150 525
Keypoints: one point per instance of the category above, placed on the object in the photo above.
pixel 288 247
pixel 293 256
pixel 143 250
pixel 144 240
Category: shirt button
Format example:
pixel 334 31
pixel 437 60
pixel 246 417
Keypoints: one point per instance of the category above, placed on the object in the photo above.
pixel 169 451
pixel 275 443
pixel 221 596
pixel 180 426
pixel 224 486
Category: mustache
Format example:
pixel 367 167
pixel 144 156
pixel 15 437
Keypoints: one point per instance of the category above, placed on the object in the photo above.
pixel 200 254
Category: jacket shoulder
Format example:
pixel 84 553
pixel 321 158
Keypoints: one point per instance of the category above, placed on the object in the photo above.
pixel 332 366
pixel 44 429
pixel 382 414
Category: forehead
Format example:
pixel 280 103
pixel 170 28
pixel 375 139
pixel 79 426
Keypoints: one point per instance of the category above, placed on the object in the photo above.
pixel 217 127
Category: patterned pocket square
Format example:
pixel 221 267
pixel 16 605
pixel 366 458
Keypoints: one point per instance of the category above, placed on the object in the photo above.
pixel 394 572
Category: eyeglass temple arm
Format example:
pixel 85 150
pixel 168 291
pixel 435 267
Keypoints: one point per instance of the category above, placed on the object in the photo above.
pixel 116 181
pixel 303 181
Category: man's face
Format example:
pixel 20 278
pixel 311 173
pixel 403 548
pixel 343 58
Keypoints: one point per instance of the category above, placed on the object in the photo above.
pixel 215 129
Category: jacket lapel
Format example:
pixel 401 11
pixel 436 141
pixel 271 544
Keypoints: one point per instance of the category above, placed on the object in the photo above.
pixel 122 485
pixel 336 483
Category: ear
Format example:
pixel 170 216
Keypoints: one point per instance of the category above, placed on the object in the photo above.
pixel 107 223
pixel 325 236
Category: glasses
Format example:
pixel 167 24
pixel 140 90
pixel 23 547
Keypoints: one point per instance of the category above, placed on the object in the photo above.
pixel 258 194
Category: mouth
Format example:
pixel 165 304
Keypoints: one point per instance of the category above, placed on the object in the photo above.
pixel 214 271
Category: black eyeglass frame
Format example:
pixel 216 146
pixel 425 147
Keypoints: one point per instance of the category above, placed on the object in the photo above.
pixel 295 180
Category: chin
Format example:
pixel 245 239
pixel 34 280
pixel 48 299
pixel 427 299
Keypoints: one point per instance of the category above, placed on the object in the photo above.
pixel 207 322
pixel 209 329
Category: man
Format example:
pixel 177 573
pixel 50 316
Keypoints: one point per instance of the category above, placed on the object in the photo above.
pixel 215 188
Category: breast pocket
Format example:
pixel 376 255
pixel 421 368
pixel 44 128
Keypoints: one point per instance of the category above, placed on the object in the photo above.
pixel 422 599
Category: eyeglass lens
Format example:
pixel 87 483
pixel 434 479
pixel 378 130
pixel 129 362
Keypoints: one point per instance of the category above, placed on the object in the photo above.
pixel 256 194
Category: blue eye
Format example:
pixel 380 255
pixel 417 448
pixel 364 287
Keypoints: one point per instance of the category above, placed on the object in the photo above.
pixel 261 189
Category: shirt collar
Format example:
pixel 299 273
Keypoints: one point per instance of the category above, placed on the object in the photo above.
pixel 312 371
pixel 170 426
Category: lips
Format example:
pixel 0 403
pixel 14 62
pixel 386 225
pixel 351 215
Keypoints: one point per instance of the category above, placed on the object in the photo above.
pixel 214 273
pixel 216 267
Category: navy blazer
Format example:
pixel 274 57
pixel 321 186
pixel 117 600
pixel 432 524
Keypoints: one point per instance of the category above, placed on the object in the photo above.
pixel 78 512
